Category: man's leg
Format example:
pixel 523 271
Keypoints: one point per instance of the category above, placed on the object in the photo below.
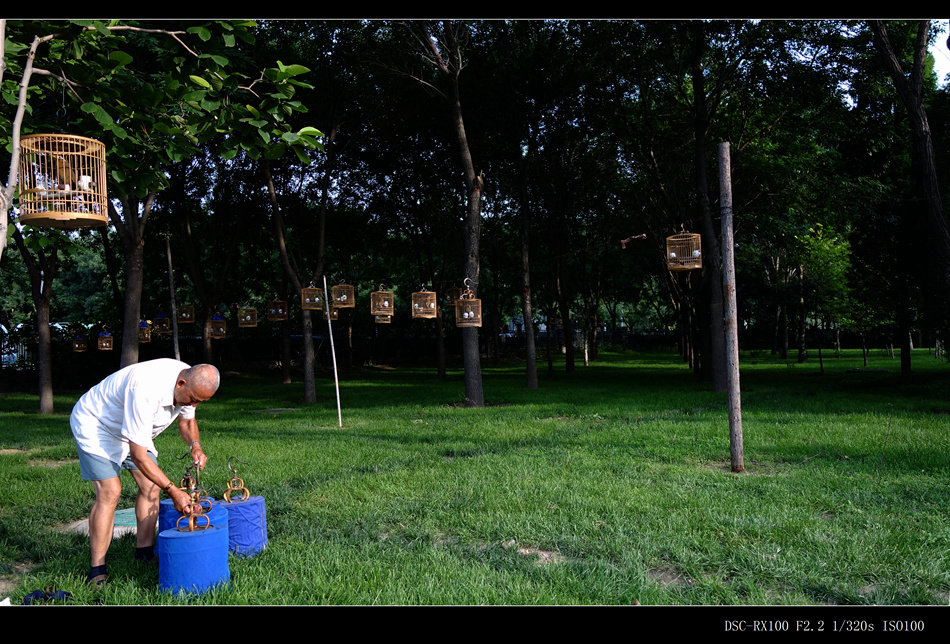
pixel 102 518
pixel 146 510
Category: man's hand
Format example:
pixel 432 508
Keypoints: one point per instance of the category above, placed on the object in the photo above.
pixel 198 456
pixel 181 499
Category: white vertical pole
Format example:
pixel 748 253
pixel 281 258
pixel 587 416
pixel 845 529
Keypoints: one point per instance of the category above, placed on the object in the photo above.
pixel 730 310
pixel 326 304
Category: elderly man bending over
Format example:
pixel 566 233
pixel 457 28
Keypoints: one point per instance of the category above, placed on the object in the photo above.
pixel 114 424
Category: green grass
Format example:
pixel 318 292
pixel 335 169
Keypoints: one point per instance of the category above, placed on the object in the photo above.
pixel 607 486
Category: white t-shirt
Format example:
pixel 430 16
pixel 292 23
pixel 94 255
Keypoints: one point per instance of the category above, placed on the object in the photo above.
pixel 135 404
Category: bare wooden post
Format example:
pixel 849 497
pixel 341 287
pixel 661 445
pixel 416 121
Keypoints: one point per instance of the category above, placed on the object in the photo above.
pixel 730 310
pixel 171 294
pixel 336 377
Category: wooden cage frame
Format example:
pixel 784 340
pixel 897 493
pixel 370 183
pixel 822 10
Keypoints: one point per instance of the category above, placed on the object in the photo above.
pixel 468 310
pixel 277 310
pixel 383 319
pixel 163 324
pixel 452 295
pixel 331 314
pixel 247 316
pixel 104 342
pixel 424 304
pixel 145 332
pixel 186 314
pixel 382 302
pixel 80 345
pixel 219 327
pixel 684 252
pixel 311 298
pixel 344 296
pixel 62 181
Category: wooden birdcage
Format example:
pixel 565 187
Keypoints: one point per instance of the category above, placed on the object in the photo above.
pixel 381 303
pixel 145 332
pixel 186 314
pixel 277 310
pixel 219 327
pixel 79 344
pixel 468 310
pixel 104 342
pixel 384 319
pixel 247 317
pixel 332 314
pixel 684 252
pixel 62 181
pixel 344 296
pixel 311 298
pixel 424 304
pixel 452 295
pixel 163 324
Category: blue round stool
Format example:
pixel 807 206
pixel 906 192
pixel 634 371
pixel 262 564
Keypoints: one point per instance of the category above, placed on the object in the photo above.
pixel 193 562
pixel 247 525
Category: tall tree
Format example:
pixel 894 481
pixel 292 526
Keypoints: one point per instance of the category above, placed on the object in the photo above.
pixel 442 45
pixel 911 88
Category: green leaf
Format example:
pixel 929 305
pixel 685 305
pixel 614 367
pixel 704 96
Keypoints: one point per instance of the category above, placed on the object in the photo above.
pixel 201 31
pixel 120 58
pixel 198 80
pixel 302 155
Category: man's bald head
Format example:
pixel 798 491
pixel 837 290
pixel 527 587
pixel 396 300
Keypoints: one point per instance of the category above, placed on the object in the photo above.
pixel 197 384
pixel 203 376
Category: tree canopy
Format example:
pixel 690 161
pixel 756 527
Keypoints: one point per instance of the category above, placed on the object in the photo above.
pixel 272 154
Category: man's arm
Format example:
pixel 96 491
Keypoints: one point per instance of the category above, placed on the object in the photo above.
pixel 188 428
pixel 154 473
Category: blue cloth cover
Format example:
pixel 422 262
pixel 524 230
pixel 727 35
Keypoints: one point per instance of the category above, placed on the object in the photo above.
pixel 193 562
pixel 168 515
pixel 247 525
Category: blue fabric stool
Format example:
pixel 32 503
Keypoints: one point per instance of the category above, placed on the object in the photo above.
pixel 193 562
pixel 247 525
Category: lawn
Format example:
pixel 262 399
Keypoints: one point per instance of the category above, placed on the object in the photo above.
pixel 608 486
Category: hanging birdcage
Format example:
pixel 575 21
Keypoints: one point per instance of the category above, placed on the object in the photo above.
pixel 332 314
pixel 452 295
pixel 163 324
pixel 277 310
pixel 104 342
pixel 218 327
pixel 684 252
pixel 62 181
pixel 311 298
pixel 383 319
pixel 381 303
pixel 247 317
pixel 79 344
pixel 186 314
pixel 424 304
pixel 468 309
pixel 344 296
pixel 145 332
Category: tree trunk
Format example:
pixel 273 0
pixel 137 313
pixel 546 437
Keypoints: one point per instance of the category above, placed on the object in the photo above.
pixel 309 382
pixel 471 357
pixel 910 89
pixel 41 269
pixel 711 251
pixel 44 356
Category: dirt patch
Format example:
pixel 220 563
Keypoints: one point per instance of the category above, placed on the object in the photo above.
pixel 8 583
pixel 49 463
pixel 12 451
pixel 668 576
pixel 544 556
